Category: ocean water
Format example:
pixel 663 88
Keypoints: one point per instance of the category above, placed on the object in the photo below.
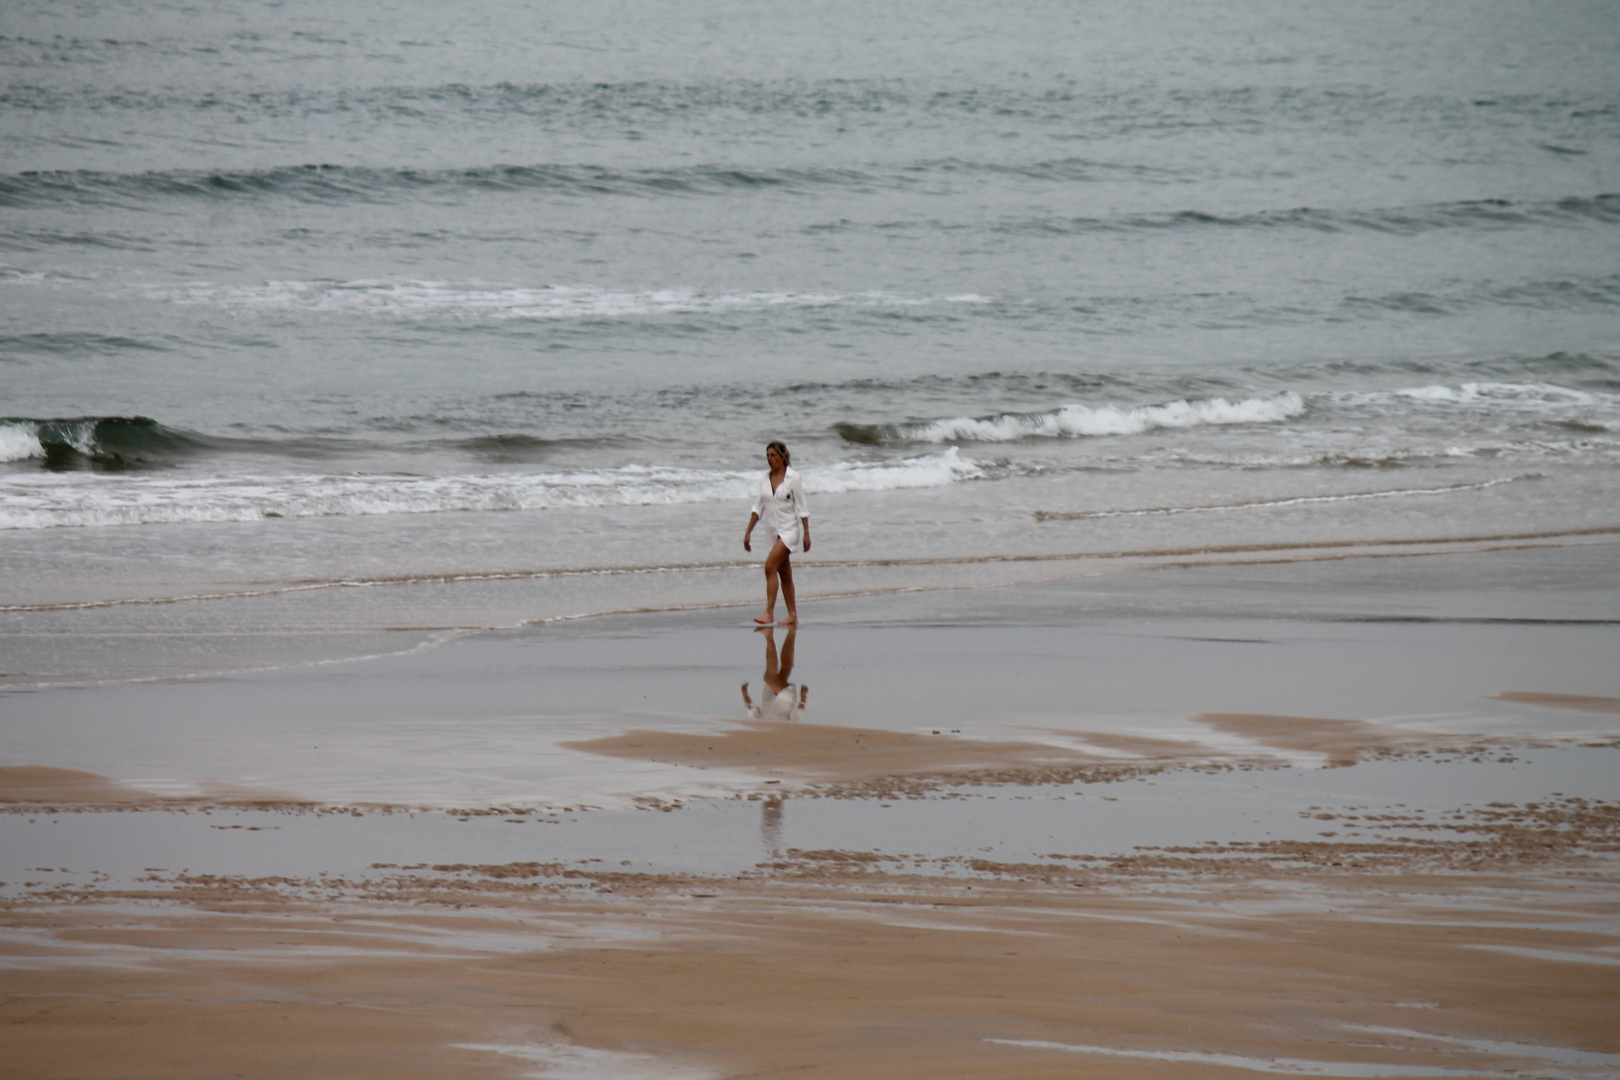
pixel 389 318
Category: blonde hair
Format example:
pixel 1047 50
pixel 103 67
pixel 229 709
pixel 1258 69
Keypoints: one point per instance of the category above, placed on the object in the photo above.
pixel 781 448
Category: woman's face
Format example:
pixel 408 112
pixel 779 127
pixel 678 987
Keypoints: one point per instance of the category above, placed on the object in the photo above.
pixel 773 459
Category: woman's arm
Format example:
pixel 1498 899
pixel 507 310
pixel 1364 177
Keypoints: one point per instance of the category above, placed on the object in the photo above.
pixel 802 507
pixel 759 508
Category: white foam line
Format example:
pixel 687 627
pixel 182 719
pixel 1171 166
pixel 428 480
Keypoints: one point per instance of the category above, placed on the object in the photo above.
pixel 586 1063
pixel 246 594
pixel 1556 955
pixel 1293 1066
pixel 1084 420
pixel 441 638
pixel 1510 1049
pixel 1299 500
pixel 368 583
pixel 415 297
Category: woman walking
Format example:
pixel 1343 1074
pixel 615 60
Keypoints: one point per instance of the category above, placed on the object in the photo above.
pixel 781 504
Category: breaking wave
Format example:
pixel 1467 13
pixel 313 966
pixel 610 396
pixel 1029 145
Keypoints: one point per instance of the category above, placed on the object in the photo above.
pixel 94 442
pixel 1075 421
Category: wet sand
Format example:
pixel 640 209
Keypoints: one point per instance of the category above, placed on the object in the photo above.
pixel 41 785
pixel 1271 842
pixel 828 753
pixel 828 967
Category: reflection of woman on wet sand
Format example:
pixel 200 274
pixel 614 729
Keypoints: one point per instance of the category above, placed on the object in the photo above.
pixel 781 700
pixel 781 504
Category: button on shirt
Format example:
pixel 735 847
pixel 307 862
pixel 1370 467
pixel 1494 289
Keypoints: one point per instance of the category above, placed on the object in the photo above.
pixel 781 509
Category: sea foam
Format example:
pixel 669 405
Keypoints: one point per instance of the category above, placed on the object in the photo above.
pixel 1083 420
pixel 496 301
pixel 85 499
pixel 19 441
pixel 1528 394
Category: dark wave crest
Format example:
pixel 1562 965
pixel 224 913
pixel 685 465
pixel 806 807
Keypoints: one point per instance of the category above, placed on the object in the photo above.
pixel 72 343
pixel 119 443
pixel 1478 214
pixel 996 385
pixel 1580 370
pixel 563 105
pixel 111 443
pixel 520 449
pixel 338 185
pixel 1560 294
pixel 42 239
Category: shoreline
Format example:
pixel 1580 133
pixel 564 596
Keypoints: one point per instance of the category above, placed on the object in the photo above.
pixel 381 626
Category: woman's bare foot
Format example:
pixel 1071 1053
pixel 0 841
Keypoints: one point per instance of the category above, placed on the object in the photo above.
pixel 765 620
pixel 791 620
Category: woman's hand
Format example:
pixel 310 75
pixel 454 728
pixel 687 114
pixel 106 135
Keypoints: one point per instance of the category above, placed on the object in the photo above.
pixel 746 545
pixel 806 523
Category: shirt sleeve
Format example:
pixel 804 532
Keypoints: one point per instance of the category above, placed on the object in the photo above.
pixel 759 498
pixel 800 507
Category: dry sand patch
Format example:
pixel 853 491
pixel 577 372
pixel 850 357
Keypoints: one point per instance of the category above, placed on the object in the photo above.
pixel 46 784
pixel 31 786
pixel 1343 742
pixel 855 762
pixel 829 752
pixel 1578 702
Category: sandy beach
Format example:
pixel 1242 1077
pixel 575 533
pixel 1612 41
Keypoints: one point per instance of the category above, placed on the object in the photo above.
pixel 1298 819
pixel 1209 415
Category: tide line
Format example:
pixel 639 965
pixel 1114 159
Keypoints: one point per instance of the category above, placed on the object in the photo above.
pixel 374 582
pixel 1298 500
pixel 1291 1066
pixel 1267 551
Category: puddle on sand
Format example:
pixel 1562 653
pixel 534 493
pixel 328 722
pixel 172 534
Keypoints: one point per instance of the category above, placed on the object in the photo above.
pixel 1248 813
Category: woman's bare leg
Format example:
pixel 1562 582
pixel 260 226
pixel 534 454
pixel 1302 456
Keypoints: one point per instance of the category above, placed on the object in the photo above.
pixel 769 618
pixel 784 670
pixel 786 574
pixel 774 682
pixel 776 567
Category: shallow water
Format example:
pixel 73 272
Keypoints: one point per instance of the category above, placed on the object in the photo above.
pixel 948 834
pixel 1421 645
pixel 1121 668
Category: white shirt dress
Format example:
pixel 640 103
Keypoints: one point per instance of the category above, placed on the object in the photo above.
pixel 781 706
pixel 780 510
